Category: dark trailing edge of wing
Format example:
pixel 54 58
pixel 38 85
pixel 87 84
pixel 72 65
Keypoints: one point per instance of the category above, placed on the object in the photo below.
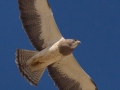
pixel 62 81
pixel 31 22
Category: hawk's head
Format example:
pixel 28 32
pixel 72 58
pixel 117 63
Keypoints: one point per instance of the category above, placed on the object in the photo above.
pixel 67 46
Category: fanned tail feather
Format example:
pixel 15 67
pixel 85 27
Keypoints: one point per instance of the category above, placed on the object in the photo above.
pixel 21 58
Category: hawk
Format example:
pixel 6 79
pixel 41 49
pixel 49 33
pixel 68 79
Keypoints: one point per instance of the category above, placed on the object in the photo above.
pixel 53 51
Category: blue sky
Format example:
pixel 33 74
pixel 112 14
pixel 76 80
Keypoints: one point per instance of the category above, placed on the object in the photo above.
pixel 96 23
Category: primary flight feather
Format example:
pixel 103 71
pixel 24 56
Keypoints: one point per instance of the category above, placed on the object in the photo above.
pixel 53 51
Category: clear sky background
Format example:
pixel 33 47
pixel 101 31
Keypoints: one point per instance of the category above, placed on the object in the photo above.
pixel 96 23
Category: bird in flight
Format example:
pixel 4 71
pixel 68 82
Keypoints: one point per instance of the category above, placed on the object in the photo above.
pixel 53 51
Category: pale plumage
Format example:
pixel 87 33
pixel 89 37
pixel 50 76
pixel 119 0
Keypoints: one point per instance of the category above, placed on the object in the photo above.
pixel 53 51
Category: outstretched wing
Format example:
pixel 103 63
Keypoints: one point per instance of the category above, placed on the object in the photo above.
pixel 38 22
pixel 68 75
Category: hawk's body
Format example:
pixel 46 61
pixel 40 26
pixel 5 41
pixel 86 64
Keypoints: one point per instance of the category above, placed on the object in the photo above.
pixel 53 51
pixel 46 57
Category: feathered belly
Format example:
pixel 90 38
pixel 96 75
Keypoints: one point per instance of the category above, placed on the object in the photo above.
pixel 45 58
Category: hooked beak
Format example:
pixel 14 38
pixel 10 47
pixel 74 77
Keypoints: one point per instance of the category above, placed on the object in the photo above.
pixel 78 41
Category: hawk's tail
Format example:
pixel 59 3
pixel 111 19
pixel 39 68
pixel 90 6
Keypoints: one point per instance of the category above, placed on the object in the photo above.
pixel 21 58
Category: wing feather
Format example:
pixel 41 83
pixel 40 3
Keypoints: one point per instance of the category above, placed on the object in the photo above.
pixel 38 22
pixel 68 75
